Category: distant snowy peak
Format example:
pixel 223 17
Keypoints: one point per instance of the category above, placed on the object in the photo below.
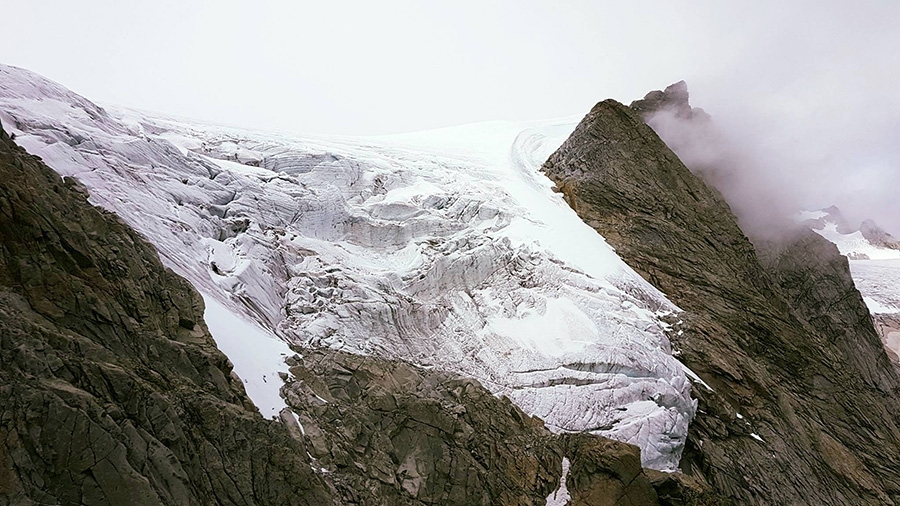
pixel 875 256
pixel 866 242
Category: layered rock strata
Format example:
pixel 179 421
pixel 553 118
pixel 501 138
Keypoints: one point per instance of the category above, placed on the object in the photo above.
pixel 800 396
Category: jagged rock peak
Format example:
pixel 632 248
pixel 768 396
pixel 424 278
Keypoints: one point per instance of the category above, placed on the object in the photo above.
pixel 817 220
pixel 870 230
pixel 798 380
pixel 674 98
pixel 878 236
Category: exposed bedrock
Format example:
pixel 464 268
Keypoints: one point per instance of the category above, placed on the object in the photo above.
pixel 389 433
pixel 803 402
pixel 112 391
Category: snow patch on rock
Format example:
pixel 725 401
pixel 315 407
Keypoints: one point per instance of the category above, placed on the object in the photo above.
pixel 257 355
pixel 561 496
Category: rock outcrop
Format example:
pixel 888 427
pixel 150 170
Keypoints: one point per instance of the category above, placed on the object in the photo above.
pixel 112 390
pixel 801 395
pixel 878 236
pixel 831 214
pixel 674 100
pixel 389 433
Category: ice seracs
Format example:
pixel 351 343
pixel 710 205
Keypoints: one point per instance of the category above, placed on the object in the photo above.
pixel 446 248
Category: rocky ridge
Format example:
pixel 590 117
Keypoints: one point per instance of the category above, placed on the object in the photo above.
pixel 801 394
pixel 112 390
pixel 878 236
pixel 868 241
pixel 874 256
pixel 390 433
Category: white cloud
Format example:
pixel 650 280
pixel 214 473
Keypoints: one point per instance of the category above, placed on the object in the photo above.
pixel 808 86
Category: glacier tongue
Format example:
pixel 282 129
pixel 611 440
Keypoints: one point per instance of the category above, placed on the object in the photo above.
pixel 446 248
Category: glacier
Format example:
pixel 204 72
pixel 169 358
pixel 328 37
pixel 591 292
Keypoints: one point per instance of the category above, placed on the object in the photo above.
pixel 448 249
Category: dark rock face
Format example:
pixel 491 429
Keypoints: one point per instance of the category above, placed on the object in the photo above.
pixel 112 390
pixel 801 411
pixel 390 433
pixel 606 473
pixel 815 279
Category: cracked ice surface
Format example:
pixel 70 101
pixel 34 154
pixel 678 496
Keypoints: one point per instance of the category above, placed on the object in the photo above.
pixel 879 283
pixel 446 248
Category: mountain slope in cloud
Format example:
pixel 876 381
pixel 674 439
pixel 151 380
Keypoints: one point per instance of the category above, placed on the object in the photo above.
pixel 875 264
pixel 803 399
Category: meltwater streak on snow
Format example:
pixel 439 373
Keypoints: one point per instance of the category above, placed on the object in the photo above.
pixel 257 355
pixel 443 248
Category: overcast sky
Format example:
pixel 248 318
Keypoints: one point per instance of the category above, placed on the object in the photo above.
pixel 810 85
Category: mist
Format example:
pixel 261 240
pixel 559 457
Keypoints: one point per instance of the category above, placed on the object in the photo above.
pixel 805 92
pixel 808 116
pixel 768 174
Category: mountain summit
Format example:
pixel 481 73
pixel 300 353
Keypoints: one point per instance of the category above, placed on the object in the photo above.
pixel 776 329
pixel 675 99
pixel 866 242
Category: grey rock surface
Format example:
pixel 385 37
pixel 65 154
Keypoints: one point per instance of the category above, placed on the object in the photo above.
pixel 112 390
pixel 803 399
pixel 878 236
pixel 388 433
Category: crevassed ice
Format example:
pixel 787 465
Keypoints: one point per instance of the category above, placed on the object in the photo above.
pixel 879 283
pixel 445 248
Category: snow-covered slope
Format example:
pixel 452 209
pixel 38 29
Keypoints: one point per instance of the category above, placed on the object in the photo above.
pixel 851 241
pixel 879 283
pixel 447 248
